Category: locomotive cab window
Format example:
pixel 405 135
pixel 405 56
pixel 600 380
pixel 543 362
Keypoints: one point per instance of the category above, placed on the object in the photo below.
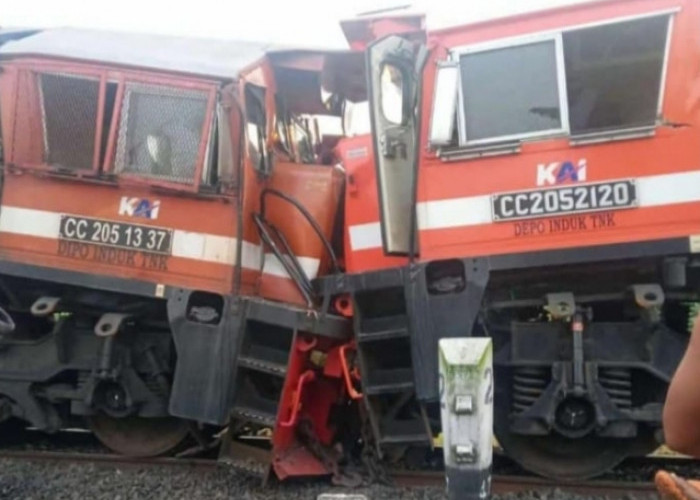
pixel 160 132
pixel 512 92
pixel 255 127
pixel 599 79
pixel 69 114
pixel 613 74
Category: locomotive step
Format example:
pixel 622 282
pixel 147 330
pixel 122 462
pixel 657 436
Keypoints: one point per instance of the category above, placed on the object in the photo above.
pixel 389 381
pixel 394 333
pixel 388 327
pixel 374 390
pixel 261 365
pixel 404 439
pixel 255 416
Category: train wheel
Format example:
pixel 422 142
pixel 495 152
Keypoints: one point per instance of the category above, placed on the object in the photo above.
pixel 139 436
pixel 561 458
pixel 566 458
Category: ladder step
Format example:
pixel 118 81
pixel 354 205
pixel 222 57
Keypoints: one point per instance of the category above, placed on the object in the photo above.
pixel 370 326
pixel 255 416
pixel 388 380
pixel 374 390
pixel 396 333
pixel 261 365
pixel 404 439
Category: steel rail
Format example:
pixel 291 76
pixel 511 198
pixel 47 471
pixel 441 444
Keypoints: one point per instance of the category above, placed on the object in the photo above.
pixel 107 459
pixel 501 484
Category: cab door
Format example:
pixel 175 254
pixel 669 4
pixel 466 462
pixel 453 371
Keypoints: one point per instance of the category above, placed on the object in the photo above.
pixel 395 67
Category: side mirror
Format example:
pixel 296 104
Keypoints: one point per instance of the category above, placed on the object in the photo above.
pixel 442 118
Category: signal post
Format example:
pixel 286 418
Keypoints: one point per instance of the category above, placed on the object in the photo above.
pixel 466 406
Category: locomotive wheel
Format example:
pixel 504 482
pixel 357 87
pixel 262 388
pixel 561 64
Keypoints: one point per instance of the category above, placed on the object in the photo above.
pixel 139 436
pixel 561 458
pixel 564 458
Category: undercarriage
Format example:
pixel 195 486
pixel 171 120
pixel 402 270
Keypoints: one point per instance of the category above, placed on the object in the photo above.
pixel 583 353
pixel 84 357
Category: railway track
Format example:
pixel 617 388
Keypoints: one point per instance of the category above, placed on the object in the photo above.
pixel 107 459
pixel 501 484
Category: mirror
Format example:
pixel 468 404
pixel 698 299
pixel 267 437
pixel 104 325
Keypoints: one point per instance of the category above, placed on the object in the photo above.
pixel 395 67
pixel 391 94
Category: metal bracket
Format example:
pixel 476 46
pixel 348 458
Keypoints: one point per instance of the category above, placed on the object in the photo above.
pixel 648 296
pixel 109 324
pixel 44 306
pixel 560 305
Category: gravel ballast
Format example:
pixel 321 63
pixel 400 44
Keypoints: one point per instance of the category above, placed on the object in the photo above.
pixel 24 479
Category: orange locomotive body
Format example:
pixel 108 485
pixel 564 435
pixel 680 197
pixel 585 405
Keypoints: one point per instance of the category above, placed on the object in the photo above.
pixel 174 248
pixel 135 174
pixel 165 204
pixel 535 179
pixel 604 116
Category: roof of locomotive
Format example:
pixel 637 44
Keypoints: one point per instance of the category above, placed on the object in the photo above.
pixel 9 34
pixel 575 7
pixel 198 56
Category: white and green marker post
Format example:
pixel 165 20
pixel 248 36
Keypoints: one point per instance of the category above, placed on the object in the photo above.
pixel 466 406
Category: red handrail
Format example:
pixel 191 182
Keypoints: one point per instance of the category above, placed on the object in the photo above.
pixel 346 372
pixel 305 377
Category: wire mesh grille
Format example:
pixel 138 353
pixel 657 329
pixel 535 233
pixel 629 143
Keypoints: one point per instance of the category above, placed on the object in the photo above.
pixel 69 109
pixel 160 132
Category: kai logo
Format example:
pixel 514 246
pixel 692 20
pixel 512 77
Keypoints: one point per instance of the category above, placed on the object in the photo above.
pixel 549 174
pixel 139 207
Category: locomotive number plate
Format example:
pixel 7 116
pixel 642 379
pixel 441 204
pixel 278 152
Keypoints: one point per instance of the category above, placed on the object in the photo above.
pixel 564 200
pixel 116 234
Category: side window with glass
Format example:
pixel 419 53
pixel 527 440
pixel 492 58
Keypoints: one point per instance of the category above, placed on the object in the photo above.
pixel 160 132
pixel 585 80
pixel 613 74
pixel 512 92
pixel 69 115
pixel 255 127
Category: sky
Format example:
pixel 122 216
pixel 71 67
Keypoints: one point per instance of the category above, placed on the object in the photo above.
pixel 290 22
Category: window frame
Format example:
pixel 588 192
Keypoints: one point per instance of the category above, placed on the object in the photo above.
pixel 557 34
pixel 34 69
pixel 102 81
pixel 514 42
pixel 104 171
pixel 263 166
pixel 112 144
